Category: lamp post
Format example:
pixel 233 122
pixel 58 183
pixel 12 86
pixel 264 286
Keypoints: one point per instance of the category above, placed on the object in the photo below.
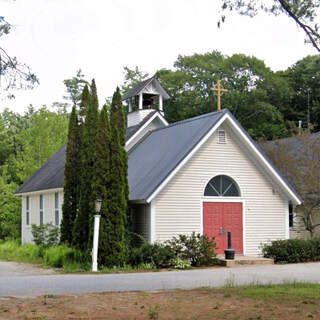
pixel 97 205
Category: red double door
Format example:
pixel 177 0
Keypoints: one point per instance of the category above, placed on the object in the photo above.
pixel 219 218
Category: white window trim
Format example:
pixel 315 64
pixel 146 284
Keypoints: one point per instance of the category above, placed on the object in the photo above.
pixel 56 209
pixel 28 212
pixel 41 210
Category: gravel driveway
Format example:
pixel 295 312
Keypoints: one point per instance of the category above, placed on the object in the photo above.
pixel 211 277
pixel 15 269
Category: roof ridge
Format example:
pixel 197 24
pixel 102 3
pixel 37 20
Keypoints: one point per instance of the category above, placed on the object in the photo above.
pixel 192 119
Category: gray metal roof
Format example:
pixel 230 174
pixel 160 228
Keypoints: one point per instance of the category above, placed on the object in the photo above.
pixel 150 161
pixel 49 176
pixel 153 159
pixel 141 85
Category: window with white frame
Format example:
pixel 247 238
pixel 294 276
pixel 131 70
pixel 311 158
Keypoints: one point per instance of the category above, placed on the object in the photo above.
pixel 56 209
pixel 27 211
pixel 41 209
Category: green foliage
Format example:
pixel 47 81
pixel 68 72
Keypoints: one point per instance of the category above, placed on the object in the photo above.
pixel 71 179
pixel 64 257
pixel 12 250
pixel 180 252
pixel 196 248
pixel 83 221
pixel 303 13
pixel 157 254
pixel 189 86
pixel 293 250
pixel 101 185
pixel 45 235
pixel 179 263
pixel 75 87
pixel 44 134
pixel 61 256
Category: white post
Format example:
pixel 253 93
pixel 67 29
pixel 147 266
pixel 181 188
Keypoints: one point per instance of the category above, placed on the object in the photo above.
pixel 160 103
pixel 95 243
pixel 140 101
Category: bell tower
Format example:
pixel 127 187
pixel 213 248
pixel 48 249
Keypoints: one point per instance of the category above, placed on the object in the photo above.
pixel 144 98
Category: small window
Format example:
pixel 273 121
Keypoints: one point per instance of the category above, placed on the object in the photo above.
pixel 41 209
pixel 27 211
pixel 290 216
pixel 222 136
pixel 56 209
pixel 222 186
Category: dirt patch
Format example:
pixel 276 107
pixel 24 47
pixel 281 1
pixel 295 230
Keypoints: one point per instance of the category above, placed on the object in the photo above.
pixel 16 269
pixel 178 304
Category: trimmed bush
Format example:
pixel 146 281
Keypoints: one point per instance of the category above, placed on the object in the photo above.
pixel 157 254
pixel 293 250
pixel 198 249
pixel 194 250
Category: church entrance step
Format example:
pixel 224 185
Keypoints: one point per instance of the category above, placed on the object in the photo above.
pixel 241 260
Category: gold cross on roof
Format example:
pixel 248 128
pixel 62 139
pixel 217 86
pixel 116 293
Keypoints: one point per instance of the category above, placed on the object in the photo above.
pixel 219 89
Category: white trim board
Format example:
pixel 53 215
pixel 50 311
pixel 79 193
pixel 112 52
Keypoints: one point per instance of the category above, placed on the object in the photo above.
pixel 186 159
pixel 39 192
pixel 252 148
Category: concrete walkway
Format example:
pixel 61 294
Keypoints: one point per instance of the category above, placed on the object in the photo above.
pixel 212 277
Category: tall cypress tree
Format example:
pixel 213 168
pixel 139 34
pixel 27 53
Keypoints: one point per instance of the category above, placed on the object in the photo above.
pixel 117 202
pixel 102 184
pixel 81 229
pixel 117 120
pixel 71 180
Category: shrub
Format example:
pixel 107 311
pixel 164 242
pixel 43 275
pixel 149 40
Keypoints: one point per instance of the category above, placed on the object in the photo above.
pixel 293 250
pixel 12 250
pixel 61 256
pixel 198 249
pixel 181 264
pixel 45 235
pixel 158 254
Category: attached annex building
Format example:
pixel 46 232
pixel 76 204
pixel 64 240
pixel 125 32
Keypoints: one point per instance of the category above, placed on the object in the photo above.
pixel 203 174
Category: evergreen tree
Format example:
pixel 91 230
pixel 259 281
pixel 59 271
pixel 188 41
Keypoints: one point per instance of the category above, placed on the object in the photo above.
pixel 82 226
pixel 71 180
pixel 102 184
pixel 118 190
pixel 117 117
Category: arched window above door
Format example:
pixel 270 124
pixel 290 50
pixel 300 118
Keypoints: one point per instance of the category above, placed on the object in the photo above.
pixel 222 186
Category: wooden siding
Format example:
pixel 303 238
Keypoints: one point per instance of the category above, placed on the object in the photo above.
pixel 178 206
pixel 34 209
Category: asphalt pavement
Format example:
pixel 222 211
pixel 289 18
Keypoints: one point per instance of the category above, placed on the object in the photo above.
pixel 154 281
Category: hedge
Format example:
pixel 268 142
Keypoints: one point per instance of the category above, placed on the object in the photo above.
pixel 293 250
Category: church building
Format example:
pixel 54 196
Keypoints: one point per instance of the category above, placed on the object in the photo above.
pixel 203 174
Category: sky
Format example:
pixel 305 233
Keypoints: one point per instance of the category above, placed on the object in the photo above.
pixel 58 37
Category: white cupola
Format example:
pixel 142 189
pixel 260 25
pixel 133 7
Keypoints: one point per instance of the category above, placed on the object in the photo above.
pixel 144 98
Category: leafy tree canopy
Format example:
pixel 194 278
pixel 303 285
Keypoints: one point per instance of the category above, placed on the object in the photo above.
pixel 13 74
pixel 303 12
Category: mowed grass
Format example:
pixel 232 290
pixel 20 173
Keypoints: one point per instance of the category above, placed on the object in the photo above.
pixel 288 291
pixel 294 301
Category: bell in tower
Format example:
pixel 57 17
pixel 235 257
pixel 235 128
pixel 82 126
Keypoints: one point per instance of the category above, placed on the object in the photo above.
pixel 144 98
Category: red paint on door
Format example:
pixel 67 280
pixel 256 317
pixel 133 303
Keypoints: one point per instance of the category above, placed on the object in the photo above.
pixel 219 218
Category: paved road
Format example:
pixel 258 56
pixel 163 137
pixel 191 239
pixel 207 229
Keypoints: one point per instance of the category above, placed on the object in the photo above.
pixel 213 277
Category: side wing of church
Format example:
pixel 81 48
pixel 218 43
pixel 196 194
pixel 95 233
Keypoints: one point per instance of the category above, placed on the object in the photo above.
pixel 203 174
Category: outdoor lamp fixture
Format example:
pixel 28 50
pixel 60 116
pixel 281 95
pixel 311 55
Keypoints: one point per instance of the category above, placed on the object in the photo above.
pixel 97 206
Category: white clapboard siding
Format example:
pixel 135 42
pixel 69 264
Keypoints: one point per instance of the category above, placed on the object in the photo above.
pixel 34 209
pixel 178 206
